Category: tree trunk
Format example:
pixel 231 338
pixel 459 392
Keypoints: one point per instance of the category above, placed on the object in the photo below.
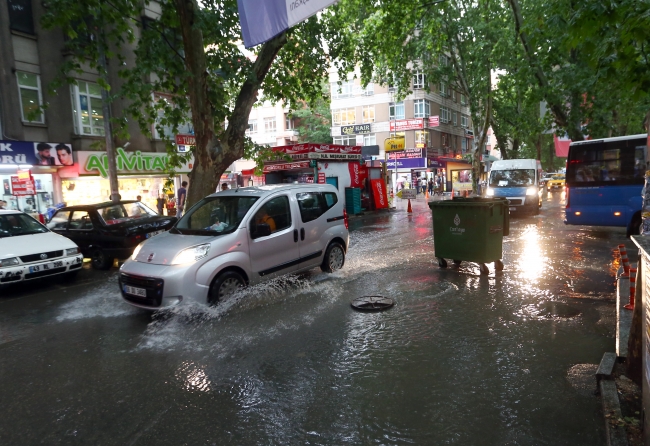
pixel 476 159
pixel 213 153
pixel 538 146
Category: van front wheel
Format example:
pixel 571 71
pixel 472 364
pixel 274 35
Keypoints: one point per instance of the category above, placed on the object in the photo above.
pixel 334 258
pixel 224 286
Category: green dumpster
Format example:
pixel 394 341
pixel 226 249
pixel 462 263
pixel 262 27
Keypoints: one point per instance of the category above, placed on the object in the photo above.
pixel 470 229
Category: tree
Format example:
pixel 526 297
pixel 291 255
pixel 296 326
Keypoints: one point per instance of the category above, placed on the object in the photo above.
pixel 313 122
pixel 194 53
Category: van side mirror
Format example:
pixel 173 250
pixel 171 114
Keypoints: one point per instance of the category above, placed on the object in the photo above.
pixel 260 230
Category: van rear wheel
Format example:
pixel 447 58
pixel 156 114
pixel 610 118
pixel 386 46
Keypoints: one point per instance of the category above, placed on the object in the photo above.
pixel 224 286
pixel 334 258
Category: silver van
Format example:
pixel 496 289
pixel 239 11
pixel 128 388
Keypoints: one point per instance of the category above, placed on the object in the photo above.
pixel 238 237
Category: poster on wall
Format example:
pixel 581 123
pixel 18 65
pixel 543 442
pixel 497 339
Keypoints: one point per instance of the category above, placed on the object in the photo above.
pixel 379 193
pixel 358 174
pixel 49 154
pixel 6 187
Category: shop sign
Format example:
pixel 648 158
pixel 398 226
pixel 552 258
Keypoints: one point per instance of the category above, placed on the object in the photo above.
pixel 435 163
pixel 298 149
pixel 409 194
pixel 406 163
pixel 22 186
pixel 412 153
pixel 286 166
pixel 434 121
pixel 334 156
pixel 127 162
pixel 321 178
pixel 469 133
pixel 394 144
pixel 185 140
pixel 26 152
pixel 356 129
pixel 407 124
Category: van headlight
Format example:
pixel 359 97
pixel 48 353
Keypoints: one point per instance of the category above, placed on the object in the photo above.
pixel 191 255
pixel 531 191
pixel 136 251
pixel 489 192
pixel 11 261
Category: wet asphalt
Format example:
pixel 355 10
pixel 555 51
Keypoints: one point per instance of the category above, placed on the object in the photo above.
pixel 462 358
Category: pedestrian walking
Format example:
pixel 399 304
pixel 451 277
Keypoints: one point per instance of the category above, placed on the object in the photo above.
pixel 160 203
pixel 181 196
pixel 430 186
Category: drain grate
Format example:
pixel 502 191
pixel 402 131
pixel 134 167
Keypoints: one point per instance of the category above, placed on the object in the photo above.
pixel 372 303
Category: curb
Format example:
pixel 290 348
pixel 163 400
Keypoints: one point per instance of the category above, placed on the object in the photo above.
pixel 616 434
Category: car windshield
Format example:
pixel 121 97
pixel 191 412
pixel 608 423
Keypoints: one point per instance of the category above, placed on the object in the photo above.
pixel 512 178
pixel 214 216
pixel 558 177
pixel 13 225
pixel 121 212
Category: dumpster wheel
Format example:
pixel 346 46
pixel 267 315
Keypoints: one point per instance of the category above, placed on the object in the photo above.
pixel 498 265
pixel 457 262
pixel 483 268
pixel 442 263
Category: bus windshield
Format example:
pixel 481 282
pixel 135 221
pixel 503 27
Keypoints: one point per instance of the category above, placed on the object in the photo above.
pixel 512 178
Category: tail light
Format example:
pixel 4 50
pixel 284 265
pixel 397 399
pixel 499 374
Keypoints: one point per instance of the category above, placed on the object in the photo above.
pixel 566 194
pixel 345 219
pixel 41 218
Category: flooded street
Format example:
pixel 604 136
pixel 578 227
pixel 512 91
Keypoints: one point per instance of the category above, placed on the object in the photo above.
pixel 461 358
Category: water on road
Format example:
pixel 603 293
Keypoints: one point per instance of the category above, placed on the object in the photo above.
pixel 503 359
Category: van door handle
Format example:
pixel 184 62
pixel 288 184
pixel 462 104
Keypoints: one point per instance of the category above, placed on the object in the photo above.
pixel 295 235
pixel 302 233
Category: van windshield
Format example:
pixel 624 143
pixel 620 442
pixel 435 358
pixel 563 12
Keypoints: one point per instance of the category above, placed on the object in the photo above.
pixel 512 178
pixel 214 216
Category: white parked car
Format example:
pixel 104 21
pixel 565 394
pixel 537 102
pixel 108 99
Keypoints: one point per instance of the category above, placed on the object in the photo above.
pixel 238 237
pixel 28 250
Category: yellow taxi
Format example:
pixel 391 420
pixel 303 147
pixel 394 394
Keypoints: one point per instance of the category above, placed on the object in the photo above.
pixel 556 182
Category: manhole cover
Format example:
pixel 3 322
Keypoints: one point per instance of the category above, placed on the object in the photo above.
pixel 372 303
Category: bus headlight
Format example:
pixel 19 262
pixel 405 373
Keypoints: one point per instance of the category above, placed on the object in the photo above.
pixel 531 191
pixel 489 192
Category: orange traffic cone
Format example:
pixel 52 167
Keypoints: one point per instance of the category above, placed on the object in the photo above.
pixel 409 209
pixel 426 193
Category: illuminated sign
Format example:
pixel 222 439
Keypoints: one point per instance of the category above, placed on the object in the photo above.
pixel 394 144
pixel 357 129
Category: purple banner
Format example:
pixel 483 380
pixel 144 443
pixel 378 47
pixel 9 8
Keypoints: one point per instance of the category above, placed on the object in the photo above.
pixel 407 163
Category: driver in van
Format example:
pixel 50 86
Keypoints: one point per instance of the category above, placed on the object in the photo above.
pixel 262 217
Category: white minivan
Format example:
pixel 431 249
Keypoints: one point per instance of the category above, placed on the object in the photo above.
pixel 520 182
pixel 238 237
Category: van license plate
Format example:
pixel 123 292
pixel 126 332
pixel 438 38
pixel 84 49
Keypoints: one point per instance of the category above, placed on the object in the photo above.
pixel 513 209
pixel 135 291
pixel 45 266
pixel 151 234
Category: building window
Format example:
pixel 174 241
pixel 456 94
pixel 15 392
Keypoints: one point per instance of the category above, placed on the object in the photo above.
pixel 422 137
pixel 288 123
pixel 463 145
pixel 453 94
pixel 20 16
pixel 348 140
pixel 396 110
pixel 270 125
pixel 443 60
pixel 487 139
pixel 87 109
pixel 163 128
pixel 443 89
pixel 29 86
pixel 455 118
pixel 419 80
pixel 343 116
pixel 368 113
pixel 252 126
pixel 445 115
pixel 369 90
pixel 369 140
pixel 464 121
pixel 463 99
pixel 345 90
pixel 421 108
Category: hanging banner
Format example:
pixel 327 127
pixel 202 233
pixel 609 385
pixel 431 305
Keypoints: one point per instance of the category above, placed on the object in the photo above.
pixel 407 124
pixel 379 193
pixel 358 174
pixel 262 20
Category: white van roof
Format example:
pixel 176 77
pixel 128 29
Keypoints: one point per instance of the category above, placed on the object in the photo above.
pixel 514 164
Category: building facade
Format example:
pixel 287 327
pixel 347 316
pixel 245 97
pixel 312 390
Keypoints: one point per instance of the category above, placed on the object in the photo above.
pixel 72 125
pixel 434 123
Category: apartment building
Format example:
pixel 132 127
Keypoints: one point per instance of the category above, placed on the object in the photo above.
pixel 435 125
pixel 61 147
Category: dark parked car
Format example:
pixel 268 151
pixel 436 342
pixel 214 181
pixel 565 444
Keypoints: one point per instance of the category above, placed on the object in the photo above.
pixel 106 231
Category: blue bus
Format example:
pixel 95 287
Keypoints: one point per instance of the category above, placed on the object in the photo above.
pixel 604 179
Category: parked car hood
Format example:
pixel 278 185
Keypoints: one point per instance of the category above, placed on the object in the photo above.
pixel 21 245
pixel 161 249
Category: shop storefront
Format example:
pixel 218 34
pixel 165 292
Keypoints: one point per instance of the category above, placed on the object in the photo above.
pixel 139 173
pixel 37 163
pixel 333 164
